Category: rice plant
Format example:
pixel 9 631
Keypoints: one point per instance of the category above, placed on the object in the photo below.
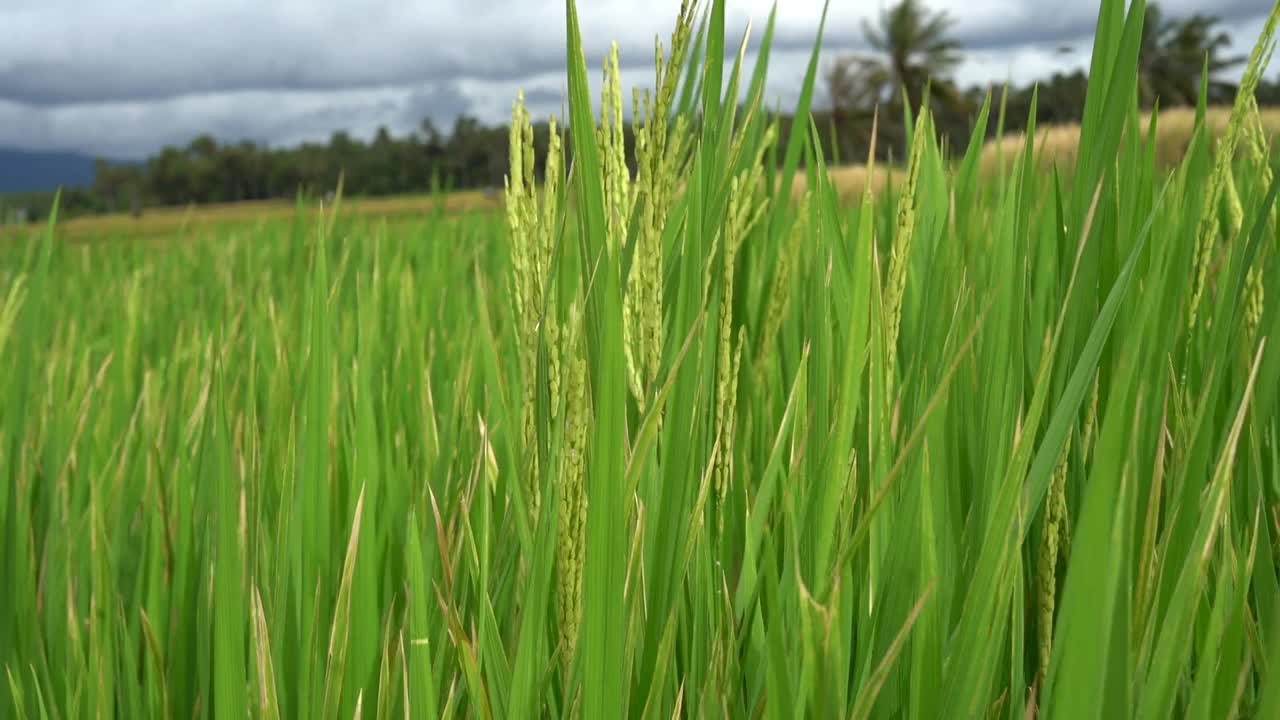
pixel 670 442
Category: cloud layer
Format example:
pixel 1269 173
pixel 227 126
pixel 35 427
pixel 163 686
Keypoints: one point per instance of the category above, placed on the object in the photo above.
pixel 123 77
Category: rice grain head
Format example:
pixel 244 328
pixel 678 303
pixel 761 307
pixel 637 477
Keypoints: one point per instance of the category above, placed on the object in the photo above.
pixel 523 231
pixel 1207 231
pixel 573 498
pixel 900 251
pixel 780 288
pixel 553 179
pixel 661 157
pixel 532 234
pixel 1255 293
pixel 616 179
pixel 744 212
pixel 1051 544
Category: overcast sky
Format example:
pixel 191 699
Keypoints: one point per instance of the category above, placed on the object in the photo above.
pixel 122 78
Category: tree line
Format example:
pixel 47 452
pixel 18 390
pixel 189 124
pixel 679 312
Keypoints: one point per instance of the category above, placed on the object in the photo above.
pixel 912 51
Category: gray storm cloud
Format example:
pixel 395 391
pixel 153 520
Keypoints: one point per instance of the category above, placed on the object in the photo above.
pixel 126 76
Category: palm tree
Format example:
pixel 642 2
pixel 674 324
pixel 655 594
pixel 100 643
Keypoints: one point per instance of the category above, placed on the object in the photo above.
pixel 1173 55
pixel 914 50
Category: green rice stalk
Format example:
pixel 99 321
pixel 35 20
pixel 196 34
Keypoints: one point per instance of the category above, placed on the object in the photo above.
pixel 9 311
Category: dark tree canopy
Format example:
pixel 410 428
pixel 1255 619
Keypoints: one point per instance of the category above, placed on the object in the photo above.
pixel 1174 54
pixel 913 50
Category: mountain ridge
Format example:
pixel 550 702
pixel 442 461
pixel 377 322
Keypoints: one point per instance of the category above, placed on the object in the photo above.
pixel 29 171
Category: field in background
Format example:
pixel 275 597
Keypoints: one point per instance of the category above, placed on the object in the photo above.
pixel 1055 144
pixel 1175 130
pixel 159 223
pixel 986 441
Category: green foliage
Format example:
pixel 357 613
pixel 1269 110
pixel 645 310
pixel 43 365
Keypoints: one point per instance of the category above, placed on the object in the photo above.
pixel 669 444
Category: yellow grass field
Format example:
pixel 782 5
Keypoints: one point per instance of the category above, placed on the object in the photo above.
pixel 1059 143
pixel 166 222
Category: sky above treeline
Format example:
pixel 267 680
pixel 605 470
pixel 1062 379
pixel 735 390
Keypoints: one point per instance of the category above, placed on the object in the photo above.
pixel 122 78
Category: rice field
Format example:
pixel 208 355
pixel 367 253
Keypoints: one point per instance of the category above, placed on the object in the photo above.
pixel 666 444
pixel 166 223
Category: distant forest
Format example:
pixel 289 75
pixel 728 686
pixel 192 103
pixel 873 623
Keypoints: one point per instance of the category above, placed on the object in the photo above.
pixel 911 52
